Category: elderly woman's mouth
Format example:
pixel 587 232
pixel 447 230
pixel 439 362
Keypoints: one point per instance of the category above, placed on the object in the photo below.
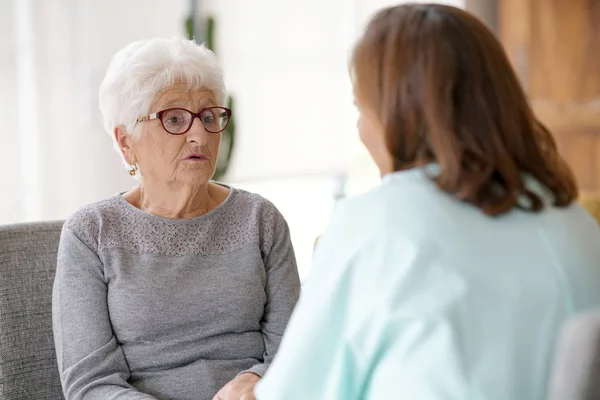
pixel 196 157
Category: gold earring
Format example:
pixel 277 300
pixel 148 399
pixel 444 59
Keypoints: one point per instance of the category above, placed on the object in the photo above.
pixel 132 170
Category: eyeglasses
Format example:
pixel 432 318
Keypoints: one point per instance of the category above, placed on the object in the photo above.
pixel 178 121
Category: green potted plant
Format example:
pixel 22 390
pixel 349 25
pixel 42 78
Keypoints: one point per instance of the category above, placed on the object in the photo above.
pixel 228 135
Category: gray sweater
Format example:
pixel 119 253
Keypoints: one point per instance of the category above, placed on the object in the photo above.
pixel 146 307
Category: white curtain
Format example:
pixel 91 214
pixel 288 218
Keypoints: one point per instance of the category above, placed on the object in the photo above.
pixel 10 166
pixel 54 154
pixel 285 66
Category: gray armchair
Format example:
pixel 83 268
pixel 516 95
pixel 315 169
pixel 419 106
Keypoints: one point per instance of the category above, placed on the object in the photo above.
pixel 28 368
pixel 576 374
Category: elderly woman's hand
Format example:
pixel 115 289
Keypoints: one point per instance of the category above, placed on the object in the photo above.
pixel 240 388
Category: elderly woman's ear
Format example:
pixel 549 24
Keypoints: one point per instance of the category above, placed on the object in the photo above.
pixel 123 140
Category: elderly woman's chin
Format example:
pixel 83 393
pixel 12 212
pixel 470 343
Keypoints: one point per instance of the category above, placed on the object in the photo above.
pixel 195 171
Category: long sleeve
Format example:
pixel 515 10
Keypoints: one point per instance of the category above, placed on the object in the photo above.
pixel 91 363
pixel 282 289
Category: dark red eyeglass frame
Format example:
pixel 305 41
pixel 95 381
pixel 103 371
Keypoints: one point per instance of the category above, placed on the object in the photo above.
pixel 159 114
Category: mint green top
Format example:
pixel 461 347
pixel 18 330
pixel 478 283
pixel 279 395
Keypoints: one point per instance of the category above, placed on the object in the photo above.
pixel 415 295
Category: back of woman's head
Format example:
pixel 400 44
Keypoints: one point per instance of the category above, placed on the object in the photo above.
pixel 444 92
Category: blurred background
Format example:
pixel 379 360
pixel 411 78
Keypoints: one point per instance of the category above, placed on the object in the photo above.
pixel 285 62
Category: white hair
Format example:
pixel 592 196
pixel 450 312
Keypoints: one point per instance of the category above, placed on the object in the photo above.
pixel 138 72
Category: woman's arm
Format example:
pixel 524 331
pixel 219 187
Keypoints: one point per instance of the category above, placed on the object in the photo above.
pixel 283 289
pixel 91 362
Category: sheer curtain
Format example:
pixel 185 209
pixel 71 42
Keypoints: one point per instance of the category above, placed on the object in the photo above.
pixel 54 154
pixel 10 168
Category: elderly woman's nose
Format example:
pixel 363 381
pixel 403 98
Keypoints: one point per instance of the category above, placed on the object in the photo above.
pixel 197 133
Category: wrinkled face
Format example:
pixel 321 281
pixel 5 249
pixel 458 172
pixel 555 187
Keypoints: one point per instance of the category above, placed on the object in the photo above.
pixel 372 136
pixel 161 157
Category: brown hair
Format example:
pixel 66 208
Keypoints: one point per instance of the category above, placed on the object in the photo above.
pixel 444 91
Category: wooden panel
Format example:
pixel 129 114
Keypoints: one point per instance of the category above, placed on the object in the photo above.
pixel 564 61
pixel 580 149
pixel 554 46
pixel 515 33
pixel 565 116
pixel 485 10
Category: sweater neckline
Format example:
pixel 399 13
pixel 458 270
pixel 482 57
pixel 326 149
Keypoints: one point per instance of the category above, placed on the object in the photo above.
pixel 128 207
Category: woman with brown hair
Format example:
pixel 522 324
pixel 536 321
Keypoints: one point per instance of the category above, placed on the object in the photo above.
pixel 452 278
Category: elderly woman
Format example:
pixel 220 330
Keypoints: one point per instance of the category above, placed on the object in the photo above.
pixel 180 288
pixel 451 280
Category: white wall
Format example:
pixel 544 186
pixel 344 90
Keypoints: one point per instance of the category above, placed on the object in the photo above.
pixel 285 64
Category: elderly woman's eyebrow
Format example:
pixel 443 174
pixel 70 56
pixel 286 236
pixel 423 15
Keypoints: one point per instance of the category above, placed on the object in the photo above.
pixel 207 102
pixel 174 102
pixel 183 103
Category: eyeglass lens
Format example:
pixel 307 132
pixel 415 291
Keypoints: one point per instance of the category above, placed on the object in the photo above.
pixel 177 121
